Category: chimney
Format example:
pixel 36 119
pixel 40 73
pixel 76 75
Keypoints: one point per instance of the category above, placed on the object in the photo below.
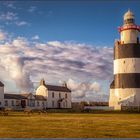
pixel 64 84
pixel 42 82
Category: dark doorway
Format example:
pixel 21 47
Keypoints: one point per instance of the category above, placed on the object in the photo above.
pixel 23 103
pixel 59 105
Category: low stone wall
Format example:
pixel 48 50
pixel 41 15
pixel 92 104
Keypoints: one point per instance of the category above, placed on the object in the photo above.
pixel 131 108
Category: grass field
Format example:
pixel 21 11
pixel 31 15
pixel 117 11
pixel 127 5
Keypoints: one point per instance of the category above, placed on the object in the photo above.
pixel 66 125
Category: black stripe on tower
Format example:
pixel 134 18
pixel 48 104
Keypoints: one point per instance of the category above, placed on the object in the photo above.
pixel 127 51
pixel 127 80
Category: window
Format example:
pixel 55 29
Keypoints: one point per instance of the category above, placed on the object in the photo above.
pixel 6 103
pixel 52 94
pixel 66 104
pixel 59 95
pixel 129 21
pixel 52 103
pixel 17 103
pixel 42 104
pixel 12 103
pixel 37 103
pixel 66 95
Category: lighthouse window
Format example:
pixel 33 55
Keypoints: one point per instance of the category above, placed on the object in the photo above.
pixel 129 21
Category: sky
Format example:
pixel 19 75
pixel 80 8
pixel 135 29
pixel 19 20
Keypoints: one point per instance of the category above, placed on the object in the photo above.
pixel 61 41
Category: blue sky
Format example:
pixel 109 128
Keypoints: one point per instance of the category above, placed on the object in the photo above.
pixel 93 22
pixel 61 41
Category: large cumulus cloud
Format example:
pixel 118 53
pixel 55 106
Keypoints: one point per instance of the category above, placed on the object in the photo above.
pixel 27 62
pixel 87 91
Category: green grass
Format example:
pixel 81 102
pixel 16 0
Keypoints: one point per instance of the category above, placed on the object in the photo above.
pixel 67 125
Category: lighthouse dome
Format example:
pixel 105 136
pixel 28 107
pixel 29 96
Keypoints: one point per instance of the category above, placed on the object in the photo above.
pixel 129 15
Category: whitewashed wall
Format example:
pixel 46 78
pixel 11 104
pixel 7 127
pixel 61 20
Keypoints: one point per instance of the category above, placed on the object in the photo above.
pixel 10 103
pixel 40 106
pixel 56 98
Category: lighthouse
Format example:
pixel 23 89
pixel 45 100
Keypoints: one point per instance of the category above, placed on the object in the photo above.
pixel 125 88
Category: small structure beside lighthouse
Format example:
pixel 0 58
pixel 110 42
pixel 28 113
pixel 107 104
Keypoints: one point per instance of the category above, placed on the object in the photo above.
pixel 125 88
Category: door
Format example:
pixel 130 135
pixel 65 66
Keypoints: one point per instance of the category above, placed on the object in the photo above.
pixel 23 103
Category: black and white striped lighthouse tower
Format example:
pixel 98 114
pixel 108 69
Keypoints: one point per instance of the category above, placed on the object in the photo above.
pixel 125 88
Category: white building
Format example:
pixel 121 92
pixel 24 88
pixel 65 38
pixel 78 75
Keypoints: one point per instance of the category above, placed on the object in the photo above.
pixel 47 96
pixel 56 96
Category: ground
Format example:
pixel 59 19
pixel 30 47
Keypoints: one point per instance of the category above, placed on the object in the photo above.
pixel 70 125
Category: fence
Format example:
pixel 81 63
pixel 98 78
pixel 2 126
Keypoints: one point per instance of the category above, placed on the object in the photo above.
pixel 131 108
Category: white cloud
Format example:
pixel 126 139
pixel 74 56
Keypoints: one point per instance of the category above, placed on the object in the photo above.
pixel 95 86
pixel 32 9
pixel 21 23
pixel 10 5
pixel 2 35
pixel 20 42
pixel 27 62
pixel 36 37
pixel 87 91
pixel 13 65
pixel 9 16
pixel 12 18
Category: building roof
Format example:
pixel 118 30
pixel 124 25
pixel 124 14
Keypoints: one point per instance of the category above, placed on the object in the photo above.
pixel 26 94
pixel 58 88
pixel 39 97
pixel 63 88
pixel 13 96
pixel 1 84
pixel 23 96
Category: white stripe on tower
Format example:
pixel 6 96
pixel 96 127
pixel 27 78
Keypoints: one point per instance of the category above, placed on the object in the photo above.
pixel 127 65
